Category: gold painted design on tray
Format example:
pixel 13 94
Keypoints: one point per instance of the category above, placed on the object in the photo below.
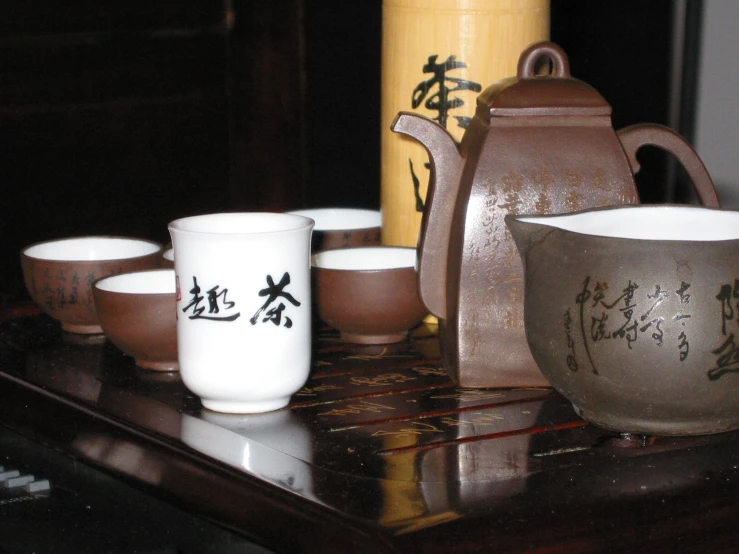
pixel 417 428
pixel 471 395
pixel 313 391
pixel 383 380
pixel 424 370
pixel 474 418
pixel 358 408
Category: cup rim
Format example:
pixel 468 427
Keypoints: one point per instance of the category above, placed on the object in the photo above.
pixel 120 276
pixel 300 223
pixel 25 250
pixel 570 222
pixel 366 253
pixel 310 212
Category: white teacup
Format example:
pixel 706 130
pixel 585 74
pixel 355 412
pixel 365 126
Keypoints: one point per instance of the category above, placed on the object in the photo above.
pixel 243 308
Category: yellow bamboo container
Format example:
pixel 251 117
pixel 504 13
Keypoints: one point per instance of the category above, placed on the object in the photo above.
pixel 437 55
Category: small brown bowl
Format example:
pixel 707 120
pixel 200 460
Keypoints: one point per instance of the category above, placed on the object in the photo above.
pixel 137 314
pixel 369 294
pixel 59 274
pixel 343 227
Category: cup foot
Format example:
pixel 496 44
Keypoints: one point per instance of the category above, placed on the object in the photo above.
pixel 158 366
pixel 374 339
pixel 231 407
pixel 82 329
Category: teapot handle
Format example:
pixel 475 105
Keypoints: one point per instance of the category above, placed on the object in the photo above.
pixel 634 137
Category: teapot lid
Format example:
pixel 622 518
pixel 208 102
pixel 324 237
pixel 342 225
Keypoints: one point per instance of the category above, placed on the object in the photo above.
pixel 529 94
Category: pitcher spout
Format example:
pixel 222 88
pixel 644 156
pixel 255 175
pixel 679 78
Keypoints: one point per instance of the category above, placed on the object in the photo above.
pixel 446 172
pixel 528 231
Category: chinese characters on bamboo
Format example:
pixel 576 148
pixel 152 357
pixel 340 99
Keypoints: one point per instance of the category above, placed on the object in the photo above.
pixel 437 94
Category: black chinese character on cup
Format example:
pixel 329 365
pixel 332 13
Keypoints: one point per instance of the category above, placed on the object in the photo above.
pixel 217 302
pixel 273 292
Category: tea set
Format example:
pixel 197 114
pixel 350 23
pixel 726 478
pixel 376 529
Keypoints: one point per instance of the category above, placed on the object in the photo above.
pixel 537 144
pixel 534 254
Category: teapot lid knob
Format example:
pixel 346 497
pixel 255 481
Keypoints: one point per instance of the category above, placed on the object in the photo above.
pixel 552 94
pixel 529 57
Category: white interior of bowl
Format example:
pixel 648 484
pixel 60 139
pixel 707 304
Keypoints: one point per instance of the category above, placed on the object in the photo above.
pixel 337 219
pixel 161 281
pixel 169 254
pixel 91 249
pixel 687 223
pixel 367 258
pixel 241 223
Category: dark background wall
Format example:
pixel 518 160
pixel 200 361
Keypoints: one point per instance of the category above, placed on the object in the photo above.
pixel 116 118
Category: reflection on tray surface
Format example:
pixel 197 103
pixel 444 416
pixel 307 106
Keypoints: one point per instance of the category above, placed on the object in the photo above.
pixel 386 420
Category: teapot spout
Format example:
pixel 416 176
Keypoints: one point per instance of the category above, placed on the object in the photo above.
pixel 446 172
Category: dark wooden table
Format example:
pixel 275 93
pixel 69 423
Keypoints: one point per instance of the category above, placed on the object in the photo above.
pixel 380 452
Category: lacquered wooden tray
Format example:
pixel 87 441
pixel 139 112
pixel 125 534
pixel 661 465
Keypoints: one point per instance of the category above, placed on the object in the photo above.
pixel 380 452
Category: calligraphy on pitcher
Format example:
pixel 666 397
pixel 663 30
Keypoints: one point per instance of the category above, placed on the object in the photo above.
pixel 727 353
pixel 211 301
pixel 656 314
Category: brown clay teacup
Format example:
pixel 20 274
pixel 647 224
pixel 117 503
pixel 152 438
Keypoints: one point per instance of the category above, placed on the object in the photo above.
pixel 59 274
pixel 631 314
pixel 137 314
pixel 343 227
pixel 369 294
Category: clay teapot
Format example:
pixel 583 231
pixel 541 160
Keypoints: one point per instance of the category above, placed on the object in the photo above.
pixel 537 144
